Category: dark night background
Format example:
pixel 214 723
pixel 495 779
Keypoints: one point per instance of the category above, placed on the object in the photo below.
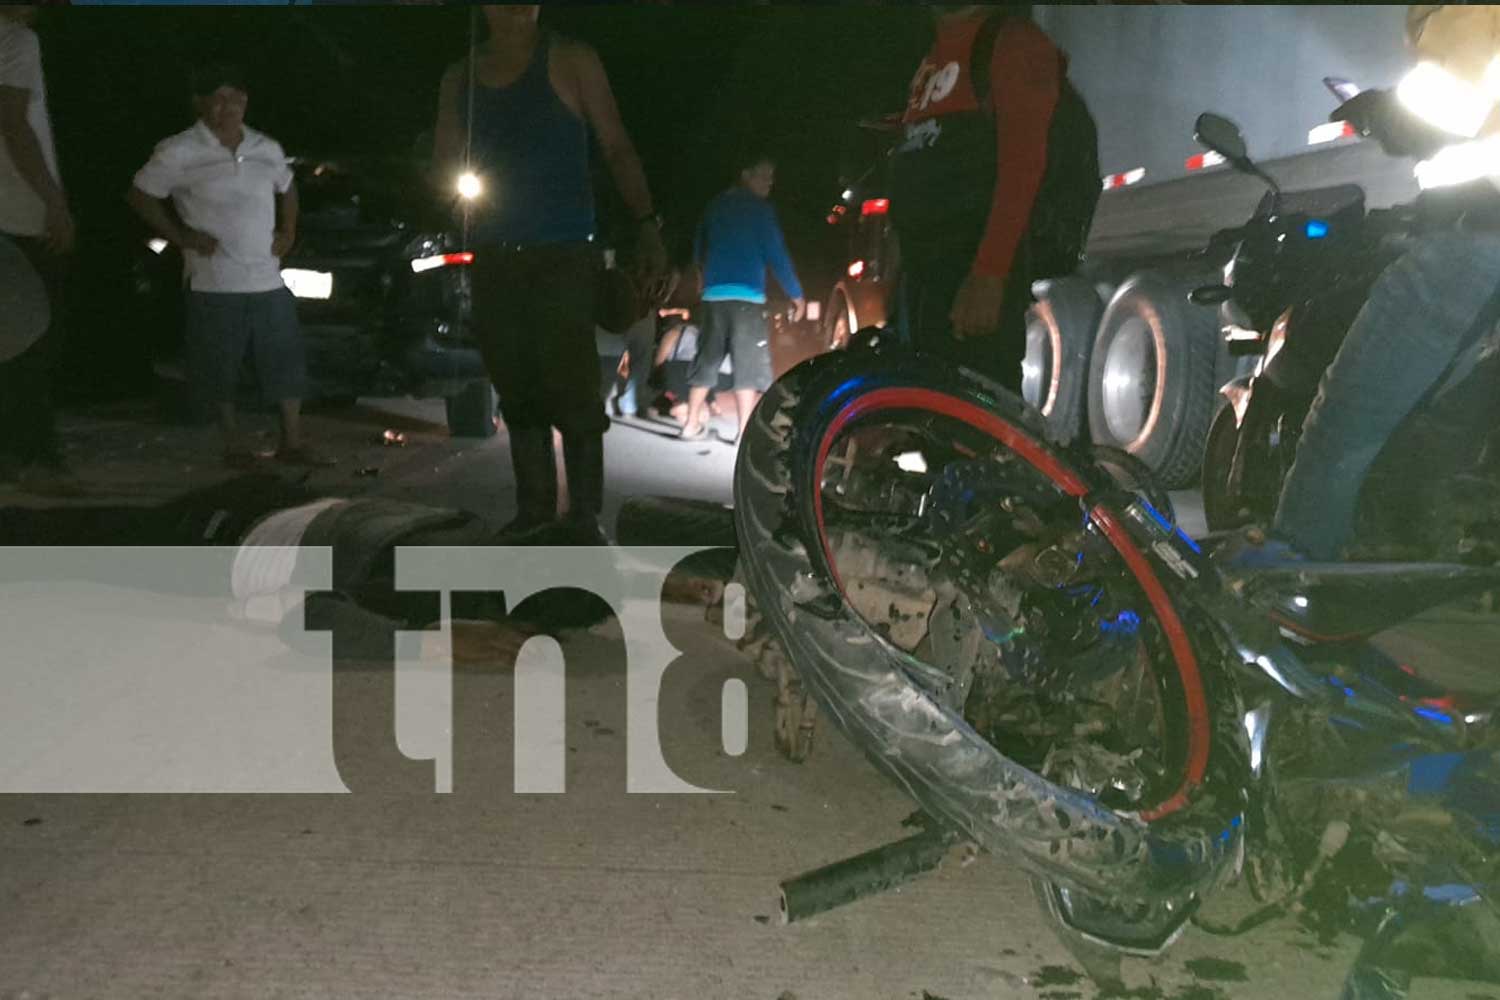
pixel 695 86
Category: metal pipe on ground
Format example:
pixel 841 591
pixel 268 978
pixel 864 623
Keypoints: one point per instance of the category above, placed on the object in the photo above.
pixel 866 874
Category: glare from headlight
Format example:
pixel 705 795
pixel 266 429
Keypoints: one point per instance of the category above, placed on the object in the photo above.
pixel 469 185
pixel 157 245
pixel 1460 164
pixel 1444 100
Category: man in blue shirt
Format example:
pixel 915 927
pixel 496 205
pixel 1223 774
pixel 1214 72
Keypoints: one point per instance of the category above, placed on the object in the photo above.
pixel 737 241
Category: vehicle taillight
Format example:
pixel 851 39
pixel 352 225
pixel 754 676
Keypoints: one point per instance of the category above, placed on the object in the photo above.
pixel 856 269
pixel 442 260
pixel 875 206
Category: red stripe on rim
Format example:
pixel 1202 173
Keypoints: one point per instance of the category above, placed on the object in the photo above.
pixel 1199 731
pixel 1023 444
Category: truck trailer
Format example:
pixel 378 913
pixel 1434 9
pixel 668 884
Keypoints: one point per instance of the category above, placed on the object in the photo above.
pixel 1116 353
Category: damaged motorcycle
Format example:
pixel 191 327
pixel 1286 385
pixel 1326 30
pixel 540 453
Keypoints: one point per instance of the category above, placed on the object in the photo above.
pixel 1019 636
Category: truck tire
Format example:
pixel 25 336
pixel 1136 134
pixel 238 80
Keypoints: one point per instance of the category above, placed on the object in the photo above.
pixel 1060 332
pixel 471 412
pixel 1152 389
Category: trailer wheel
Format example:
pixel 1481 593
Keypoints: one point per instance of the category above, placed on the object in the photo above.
pixel 1059 339
pixel 1152 375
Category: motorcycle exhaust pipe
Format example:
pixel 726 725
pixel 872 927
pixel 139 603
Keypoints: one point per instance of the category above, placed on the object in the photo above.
pixel 864 875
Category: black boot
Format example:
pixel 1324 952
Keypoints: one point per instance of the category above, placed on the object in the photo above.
pixel 535 468
pixel 583 457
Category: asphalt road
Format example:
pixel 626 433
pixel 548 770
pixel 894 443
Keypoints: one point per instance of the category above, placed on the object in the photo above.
pixel 483 892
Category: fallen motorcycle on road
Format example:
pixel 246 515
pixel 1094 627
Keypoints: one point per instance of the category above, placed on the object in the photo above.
pixel 1018 635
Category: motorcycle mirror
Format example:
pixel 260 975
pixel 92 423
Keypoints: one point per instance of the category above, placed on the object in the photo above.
pixel 1221 135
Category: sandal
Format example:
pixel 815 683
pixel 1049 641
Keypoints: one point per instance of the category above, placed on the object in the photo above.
pixel 698 433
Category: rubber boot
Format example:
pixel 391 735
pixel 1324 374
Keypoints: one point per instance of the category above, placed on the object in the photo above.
pixel 535 467
pixel 583 458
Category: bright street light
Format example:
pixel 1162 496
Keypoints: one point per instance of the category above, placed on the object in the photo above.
pixel 469 186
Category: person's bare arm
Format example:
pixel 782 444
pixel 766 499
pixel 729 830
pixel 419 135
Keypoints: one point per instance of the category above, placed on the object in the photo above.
pixel 153 212
pixel 603 115
pixel 25 151
pixel 448 128
pixel 286 222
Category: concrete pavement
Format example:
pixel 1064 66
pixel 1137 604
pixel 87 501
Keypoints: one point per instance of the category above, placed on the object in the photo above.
pixel 485 893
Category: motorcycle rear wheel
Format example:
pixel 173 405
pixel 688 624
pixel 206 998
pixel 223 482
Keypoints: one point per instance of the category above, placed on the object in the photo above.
pixel 870 687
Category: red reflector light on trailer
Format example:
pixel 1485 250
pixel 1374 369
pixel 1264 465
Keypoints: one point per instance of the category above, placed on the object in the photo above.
pixel 1329 132
pixel 875 206
pixel 1113 181
pixel 442 260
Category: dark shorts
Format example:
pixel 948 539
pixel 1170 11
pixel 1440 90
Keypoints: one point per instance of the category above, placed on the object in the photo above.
pixel 226 328
pixel 740 331
pixel 533 317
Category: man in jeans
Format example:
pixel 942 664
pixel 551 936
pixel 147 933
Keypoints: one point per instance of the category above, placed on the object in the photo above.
pixel 738 240
pixel 233 193
pixel 34 216
pixel 1423 313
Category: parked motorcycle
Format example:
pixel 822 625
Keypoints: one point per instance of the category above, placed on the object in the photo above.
pixel 1297 274
pixel 1017 634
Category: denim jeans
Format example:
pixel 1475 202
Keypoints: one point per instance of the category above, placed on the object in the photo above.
pixel 1423 312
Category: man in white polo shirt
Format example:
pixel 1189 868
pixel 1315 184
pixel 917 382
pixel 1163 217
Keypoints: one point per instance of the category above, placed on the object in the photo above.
pixel 34 217
pixel 236 215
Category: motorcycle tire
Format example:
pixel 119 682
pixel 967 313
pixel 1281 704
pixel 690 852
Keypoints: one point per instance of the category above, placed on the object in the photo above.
pixel 863 682
pixel 1223 508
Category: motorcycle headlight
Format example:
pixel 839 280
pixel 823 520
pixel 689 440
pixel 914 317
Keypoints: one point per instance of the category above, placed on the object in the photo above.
pixel 1459 164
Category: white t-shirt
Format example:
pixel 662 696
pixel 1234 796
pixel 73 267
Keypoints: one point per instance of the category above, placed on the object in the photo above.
pixel 22 212
pixel 231 196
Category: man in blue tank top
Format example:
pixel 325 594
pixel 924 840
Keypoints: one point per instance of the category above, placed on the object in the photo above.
pixel 518 116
